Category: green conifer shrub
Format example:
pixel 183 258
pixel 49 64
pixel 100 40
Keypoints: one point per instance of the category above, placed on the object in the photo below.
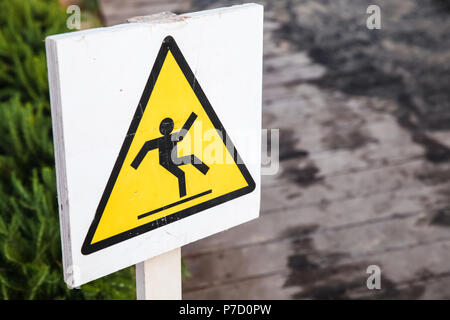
pixel 30 250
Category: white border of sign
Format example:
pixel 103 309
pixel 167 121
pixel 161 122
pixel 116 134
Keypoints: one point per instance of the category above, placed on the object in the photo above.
pixel 96 80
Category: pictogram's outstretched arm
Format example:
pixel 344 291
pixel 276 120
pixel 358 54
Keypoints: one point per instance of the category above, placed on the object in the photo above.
pixel 149 145
pixel 187 125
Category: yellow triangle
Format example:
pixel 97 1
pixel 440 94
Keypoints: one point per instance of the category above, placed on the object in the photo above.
pixel 143 192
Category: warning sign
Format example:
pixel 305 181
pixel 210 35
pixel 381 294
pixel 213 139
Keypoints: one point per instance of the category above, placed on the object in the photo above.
pixel 176 159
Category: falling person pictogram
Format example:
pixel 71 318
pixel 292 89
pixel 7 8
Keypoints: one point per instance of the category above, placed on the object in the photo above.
pixel 167 146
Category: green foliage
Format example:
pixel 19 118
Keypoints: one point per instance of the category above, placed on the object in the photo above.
pixel 23 28
pixel 185 273
pixel 30 251
pixel 90 5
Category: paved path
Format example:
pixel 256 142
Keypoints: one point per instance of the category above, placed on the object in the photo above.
pixel 365 172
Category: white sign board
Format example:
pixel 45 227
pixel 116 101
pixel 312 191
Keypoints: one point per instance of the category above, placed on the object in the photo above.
pixel 157 131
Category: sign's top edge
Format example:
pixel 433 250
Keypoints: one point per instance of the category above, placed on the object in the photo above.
pixel 156 19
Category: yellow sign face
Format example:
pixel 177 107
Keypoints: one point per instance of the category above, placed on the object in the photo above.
pixel 176 159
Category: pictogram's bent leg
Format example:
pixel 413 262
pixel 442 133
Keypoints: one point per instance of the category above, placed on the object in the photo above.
pixel 180 175
pixel 196 162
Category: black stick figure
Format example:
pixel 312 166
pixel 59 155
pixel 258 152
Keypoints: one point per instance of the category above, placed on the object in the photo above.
pixel 167 145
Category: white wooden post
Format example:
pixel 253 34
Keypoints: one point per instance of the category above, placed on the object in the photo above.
pixel 159 278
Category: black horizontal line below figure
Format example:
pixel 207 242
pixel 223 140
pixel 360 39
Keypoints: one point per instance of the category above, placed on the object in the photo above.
pixel 167 146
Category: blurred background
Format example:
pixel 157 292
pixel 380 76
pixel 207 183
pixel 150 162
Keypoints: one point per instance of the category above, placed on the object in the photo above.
pixel 364 179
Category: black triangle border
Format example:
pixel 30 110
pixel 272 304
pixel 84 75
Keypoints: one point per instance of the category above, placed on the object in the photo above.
pixel 168 44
